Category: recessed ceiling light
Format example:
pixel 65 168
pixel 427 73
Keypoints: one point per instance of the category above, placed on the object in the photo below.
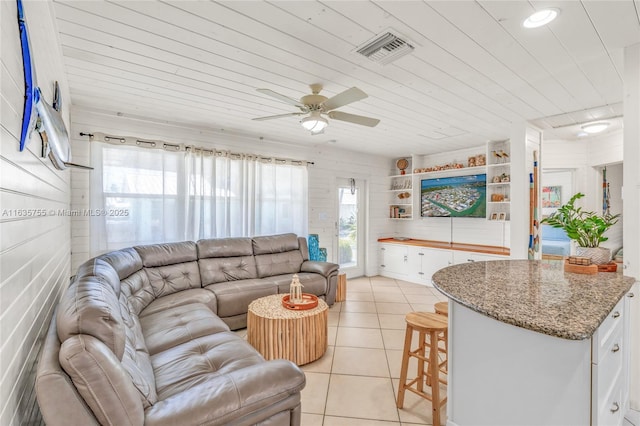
pixel 582 134
pixel 595 127
pixel 540 18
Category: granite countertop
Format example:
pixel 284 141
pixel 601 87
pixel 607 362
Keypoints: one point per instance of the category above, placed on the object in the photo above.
pixel 536 295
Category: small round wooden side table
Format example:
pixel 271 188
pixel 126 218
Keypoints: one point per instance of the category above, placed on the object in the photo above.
pixel 277 332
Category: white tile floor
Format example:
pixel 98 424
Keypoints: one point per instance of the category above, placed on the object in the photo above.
pixel 356 381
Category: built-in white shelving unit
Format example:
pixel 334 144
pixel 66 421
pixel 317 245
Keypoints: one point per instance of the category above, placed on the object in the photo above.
pixel 401 197
pixel 498 180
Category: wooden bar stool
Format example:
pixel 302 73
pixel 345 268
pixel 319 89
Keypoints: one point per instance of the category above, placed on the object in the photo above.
pixel 442 308
pixel 429 326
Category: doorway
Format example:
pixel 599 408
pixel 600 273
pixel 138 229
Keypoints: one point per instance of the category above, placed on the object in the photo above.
pixel 350 227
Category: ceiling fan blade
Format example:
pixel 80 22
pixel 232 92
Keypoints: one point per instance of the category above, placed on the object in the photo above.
pixel 271 117
pixel 353 118
pixel 344 98
pixel 283 98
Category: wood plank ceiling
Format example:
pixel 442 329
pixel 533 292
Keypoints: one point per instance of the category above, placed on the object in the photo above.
pixel 474 71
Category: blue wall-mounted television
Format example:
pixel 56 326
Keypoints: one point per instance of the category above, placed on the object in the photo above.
pixel 459 196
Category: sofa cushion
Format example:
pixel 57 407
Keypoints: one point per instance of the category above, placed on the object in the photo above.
pixel 173 278
pixel 136 360
pixel 138 291
pixel 269 265
pixel 184 297
pixel 224 247
pixel 234 296
pixel 198 360
pixel 101 380
pixel 167 254
pixel 275 244
pixel 311 283
pixel 91 306
pixel 216 270
pixel 174 326
pixel 126 261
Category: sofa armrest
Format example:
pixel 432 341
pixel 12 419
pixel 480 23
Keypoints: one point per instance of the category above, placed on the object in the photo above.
pixel 323 268
pixel 329 271
pixel 219 400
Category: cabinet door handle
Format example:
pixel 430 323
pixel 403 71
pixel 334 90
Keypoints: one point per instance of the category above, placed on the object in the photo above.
pixel 420 254
pixel 382 248
pixel 470 260
pixel 616 314
pixel 630 295
pixel 405 257
pixel 614 408
pixel 615 348
pixel 383 266
pixel 420 273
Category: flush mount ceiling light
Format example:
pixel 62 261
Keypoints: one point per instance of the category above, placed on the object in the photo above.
pixel 595 127
pixel 540 18
pixel 315 123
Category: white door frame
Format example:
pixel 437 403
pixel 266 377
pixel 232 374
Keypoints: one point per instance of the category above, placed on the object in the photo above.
pixel 360 184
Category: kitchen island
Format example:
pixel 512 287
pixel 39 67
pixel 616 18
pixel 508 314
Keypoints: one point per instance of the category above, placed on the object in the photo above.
pixel 533 345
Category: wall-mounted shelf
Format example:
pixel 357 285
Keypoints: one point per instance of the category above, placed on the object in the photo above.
pixel 453 172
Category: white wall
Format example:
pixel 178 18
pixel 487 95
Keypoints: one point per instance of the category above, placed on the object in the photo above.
pixel 632 209
pixel 331 162
pixel 34 251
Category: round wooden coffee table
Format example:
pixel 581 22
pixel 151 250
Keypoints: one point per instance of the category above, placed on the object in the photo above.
pixel 277 332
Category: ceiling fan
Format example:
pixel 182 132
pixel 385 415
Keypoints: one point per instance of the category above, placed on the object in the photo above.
pixel 318 106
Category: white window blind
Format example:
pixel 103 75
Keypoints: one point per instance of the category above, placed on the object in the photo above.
pixel 145 196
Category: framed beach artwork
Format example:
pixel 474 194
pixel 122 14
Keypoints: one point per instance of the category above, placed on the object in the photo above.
pixel 551 196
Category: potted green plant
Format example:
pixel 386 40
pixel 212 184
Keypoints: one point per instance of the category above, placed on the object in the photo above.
pixel 586 228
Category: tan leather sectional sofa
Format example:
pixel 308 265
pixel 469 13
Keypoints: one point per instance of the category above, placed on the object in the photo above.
pixel 142 336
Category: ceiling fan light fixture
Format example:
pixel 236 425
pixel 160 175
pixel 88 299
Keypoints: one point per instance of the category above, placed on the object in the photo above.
pixel 315 123
pixel 541 18
pixel 596 127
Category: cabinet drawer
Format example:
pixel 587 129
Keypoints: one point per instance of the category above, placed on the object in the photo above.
pixel 607 374
pixel 610 410
pixel 610 327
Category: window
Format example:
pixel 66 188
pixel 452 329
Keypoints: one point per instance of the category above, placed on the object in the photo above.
pixel 146 196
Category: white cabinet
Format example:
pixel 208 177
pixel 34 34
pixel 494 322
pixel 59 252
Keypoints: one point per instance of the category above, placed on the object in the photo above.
pixel 417 264
pixel 394 259
pixel 610 368
pixel 467 256
pixel 500 374
pixel 424 262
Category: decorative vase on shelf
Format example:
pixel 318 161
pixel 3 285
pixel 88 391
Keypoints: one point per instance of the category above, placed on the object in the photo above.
pixel 598 255
pixel 402 164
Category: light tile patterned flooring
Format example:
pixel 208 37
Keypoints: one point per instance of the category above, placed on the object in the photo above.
pixel 356 381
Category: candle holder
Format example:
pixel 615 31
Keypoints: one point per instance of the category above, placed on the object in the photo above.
pixel 295 290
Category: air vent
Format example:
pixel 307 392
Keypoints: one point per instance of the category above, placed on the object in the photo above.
pixel 385 48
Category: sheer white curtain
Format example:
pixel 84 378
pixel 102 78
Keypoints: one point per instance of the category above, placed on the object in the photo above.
pixel 152 195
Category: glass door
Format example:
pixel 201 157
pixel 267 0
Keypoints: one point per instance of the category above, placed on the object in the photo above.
pixel 350 226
